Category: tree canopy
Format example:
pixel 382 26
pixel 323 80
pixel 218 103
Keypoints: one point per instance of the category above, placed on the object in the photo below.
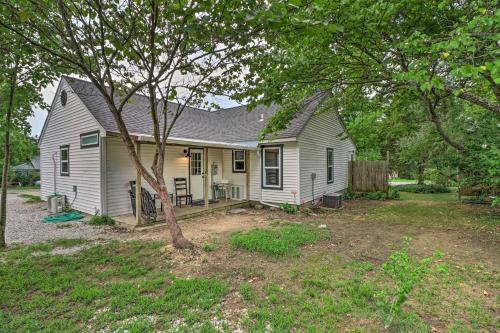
pixel 391 68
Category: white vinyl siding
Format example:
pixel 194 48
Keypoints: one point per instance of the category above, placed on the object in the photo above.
pixel 235 178
pixel 323 131
pixel 214 157
pixel 290 156
pixel 120 171
pixel 63 127
pixel 254 169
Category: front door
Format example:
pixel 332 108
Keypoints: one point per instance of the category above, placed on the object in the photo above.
pixel 196 173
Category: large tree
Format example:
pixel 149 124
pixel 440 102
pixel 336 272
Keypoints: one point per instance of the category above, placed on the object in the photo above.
pixel 23 72
pixel 434 51
pixel 169 50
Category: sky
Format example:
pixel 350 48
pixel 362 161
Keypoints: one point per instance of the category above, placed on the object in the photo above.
pixel 36 121
pixel 39 116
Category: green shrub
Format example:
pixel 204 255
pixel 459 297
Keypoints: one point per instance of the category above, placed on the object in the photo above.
pixel 349 194
pixel 392 194
pixel 288 208
pixel 277 241
pixel 101 220
pixel 495 202
pixel 27 177
pixel 423 188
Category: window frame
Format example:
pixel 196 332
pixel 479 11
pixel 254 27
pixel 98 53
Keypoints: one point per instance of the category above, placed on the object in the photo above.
pixel 61 148
pixel 193 162
pixel 234 160
pixel 279 168
pixel 93 145
pixel 328 166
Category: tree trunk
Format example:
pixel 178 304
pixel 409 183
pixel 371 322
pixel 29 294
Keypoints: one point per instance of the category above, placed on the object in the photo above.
pixel 7 150
pixel 420 173
pixel 175 230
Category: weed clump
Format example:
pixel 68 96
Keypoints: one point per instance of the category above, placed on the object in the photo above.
pixel 101 220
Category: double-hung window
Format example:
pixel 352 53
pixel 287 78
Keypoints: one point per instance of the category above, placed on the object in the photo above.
pixel 329 165
pixel 239 162
pixel 272 167
pixel 64 160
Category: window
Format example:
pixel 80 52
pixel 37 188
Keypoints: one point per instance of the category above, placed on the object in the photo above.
pixel 89 140
pixel 272 165
pixel 64 160
pixel 195 163
pixel 329 165
pixel 239 163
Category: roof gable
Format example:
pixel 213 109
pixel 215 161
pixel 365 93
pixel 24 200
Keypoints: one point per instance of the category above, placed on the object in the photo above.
pixel 235 124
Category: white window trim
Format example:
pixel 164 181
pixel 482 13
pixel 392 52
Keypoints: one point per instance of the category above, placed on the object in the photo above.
pixel 244 160
pixel 330 177
pixel 279 168
pixel 89 145
pixel 61 161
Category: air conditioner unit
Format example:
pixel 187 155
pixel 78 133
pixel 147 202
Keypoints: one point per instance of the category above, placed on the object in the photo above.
pixel 56 203
pixel 236 192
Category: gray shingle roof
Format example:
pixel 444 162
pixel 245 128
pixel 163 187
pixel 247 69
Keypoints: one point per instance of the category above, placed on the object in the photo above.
pixel 230 125
pixel 33 164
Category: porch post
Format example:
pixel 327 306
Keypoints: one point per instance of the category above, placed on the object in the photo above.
pixel 205 176
pixel 138 206
pixel 247 169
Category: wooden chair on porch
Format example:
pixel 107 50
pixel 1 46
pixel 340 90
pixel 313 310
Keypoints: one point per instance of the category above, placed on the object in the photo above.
pixel 148 206
pixel 181 192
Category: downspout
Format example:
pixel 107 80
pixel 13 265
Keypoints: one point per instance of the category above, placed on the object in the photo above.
pixel 55 172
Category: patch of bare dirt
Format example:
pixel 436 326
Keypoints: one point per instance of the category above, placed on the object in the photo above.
pixel 351 237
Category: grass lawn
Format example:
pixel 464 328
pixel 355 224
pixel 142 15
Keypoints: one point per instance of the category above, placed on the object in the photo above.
pixel 358 274
pixel 30 198
pixel 24 187
pixel 402 180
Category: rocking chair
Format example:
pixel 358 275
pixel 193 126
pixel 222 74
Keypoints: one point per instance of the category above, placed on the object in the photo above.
pixel 148 206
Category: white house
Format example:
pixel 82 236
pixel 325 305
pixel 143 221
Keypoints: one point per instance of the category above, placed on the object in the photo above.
pixel 83 157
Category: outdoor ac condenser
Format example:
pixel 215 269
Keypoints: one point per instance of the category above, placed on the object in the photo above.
pixel 56 203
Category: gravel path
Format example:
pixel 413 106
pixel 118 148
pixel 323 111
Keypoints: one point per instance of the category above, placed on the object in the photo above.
pixel 25 225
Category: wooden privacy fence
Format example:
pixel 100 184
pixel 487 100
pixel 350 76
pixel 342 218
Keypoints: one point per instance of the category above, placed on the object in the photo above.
pixel 368 176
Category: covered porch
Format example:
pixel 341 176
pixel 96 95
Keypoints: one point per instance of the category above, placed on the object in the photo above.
pixel 216 175
pixel 129 221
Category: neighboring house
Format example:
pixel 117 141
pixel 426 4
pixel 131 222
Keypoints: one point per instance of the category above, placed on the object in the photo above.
pixel 83 157
pixel 32 166
pixel 27 173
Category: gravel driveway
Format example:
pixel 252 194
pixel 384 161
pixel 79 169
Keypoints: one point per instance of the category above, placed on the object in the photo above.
pixel 25 225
